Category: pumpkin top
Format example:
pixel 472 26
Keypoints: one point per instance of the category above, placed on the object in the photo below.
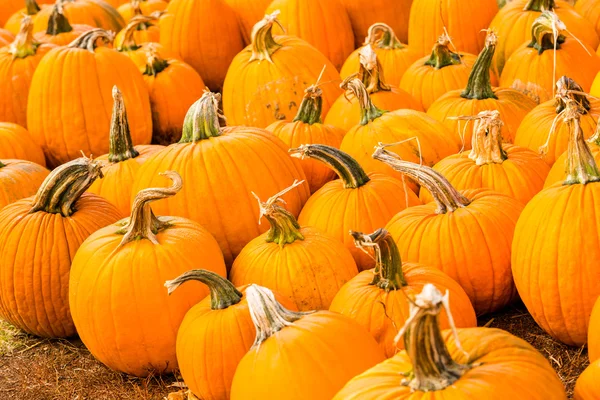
pixel 479 86
pixel 222 292
pixel 285 228
pixel 31 7
pixel 382 36
pixel 581 167
pixel 447 198
pixel 154 63
pixel 368 111
pixel 24 44
pixel 138 22
pixel 346 167
pixel 567 88
pixel 547 32
pixel 370 71
pixel 388 274
pixel 120 146
pixel 487 138
pixel 310 109
pixel 263 42
pixel 2 165
pixel 58 22
pixel 539 5
pixel 89 40
pixel 441 55
pixel 202 119
pixel 64 185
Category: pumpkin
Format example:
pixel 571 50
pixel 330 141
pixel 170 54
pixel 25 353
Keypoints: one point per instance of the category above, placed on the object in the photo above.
pixel 308 128
pixel 418 137
pixel 467 235
pixel 512 170
pixel 6 37
pixel 13 24
pixel 395 57
pixel 218 331
pixel 586 387
pixel 346 112
pixel 95 13
pixel 222 166
pixel 302 263
pixel 60 32
pixel 141 7
pixel 116 3
pixel 556 237
pixel 248 13
pixel 15 142
pixel 193 33
pixel 19 179
pixel 288 352
pixel 122 161
pixel 266 80
pixel 363 14
pixel 378 299
pixel 480 96
pixel 356 201
pixel 10 7
pixel 137 333
pixel 533 68
pixel 87 95
pixel 590 11
pixel 513 25
pixel 462 20
pixel 173 86
pixel 470 363
pixel 594 333
pixel 40 265
pixel 135 39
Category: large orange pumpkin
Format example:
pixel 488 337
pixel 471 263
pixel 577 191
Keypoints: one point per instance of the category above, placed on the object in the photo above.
pixel 480 96
pixel 31 8
pixel 15 142
pixel 593 334
pixel 222 166
pixel 590 10
pixel 265 82
pixel 248 13
pixel 85 94
pixel 59 31
pixel 34 273
pixel 467 235
pixel 587 387
pixel 95 13
pixel 471 363
pixel 289 350
pixel 19 179
pixel 356 201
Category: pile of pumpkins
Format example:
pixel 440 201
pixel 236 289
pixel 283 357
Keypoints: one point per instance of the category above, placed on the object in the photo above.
pixel 321 214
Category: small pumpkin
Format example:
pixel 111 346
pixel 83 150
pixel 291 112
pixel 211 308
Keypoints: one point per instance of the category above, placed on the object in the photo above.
pixel 467 235
pixel 593 334
pixel 248 13
pixel 6 37
pixel 141 7
pixel 586 387
pixel 356 201
pixel 40 265
pixel 308 128
pixel 470 363
pixel 19 179
pixel 10 7
pixel 96 13
pixel 60 32
pixel 135 40
pixel 265 82
pixel 589 10
pixel 288 352
pixel 15 142
pixel 13 24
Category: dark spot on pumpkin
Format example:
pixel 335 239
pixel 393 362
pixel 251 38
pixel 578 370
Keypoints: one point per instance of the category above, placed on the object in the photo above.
pixel 292 104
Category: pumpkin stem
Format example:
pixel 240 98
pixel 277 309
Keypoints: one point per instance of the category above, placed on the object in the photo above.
pixel 58 22
pixel 580 164
pixel 121 146
pixel 479 86
pixel 388 273
pixel 263 43
pixel 567 88
pixel 24 45
pixel 346 167
pixel 371 71
pixel 31 7
pixel 222 292
pixel 487 138
pixel 136 7
pixel 285 228
pixel 368 111
pixel 441 55
pixel 2 165
pixel 447 198
pixel 139 22
pixel 433 366
pixel 143 224
pixel 547 32
pixel 268 315
pixel 154 63
pixel 539 5
pixel 310 109
pixel 202 119
pixel 65 184
pixel 382 36
pixel 88 40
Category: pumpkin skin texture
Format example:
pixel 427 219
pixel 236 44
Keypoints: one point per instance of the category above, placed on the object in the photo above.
pixel 221 174
pixel 96 13
pixel 589 10
pixel 586 387
pixel 86 94
pixel 44 262
pixel 207 44
pixel 594 333
pixel 32 8
pixel 6 37
pixel 265 81
pixel 137 334
pixel 248 13
pixel 391 12
pixel 286 357
pixel 16 143
pixel 19 179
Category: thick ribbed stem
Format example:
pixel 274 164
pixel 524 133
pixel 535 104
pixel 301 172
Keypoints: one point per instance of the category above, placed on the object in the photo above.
pixel 487 139
pixel 580 164
pixel 539 5
pixel 88 40
pixel 120 146
pixel 346 167
pixel 65 184
pixel 154 63
pixel 222 292
pixel 368 111
pixel 543 30
pixel 310 109
pixel 447 198
pixel 263 43
pixel 24 45
pixel 31 7
pixel 202 119
pixel 136 23
pixel 441 55
pixel 388 273
pixel 371 72
pixel 479 86
pixel 57 22
pixel 382 36
pixel 567 88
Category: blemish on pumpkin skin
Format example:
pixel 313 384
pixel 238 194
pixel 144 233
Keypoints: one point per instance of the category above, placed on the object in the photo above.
pixel 292 105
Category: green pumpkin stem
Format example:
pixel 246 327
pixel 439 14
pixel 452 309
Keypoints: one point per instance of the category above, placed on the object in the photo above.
pixel 539 5
pixel 222 292
pixel 202 119
pixel 441 55
pixel 580 164
pixel 447 198
pixel 542 32
pixel 24 44
pixel 58 22
pixel 346 167
pixel 487 138
pixel 368 111
pixel 31 7
pixel 89 40
pixel 310 109
pixel 120 146
pixel 65 185
pixel 154 63
pixel 370 71
pixel 479 86
pixel 2 165
pixel 263 43
pixel 382 36
pixel 388 274
pixel 567 88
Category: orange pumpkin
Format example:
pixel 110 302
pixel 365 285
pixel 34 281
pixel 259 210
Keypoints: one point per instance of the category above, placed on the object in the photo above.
pixel 60 32
pixel 6 37
pixel 356 201
pixel 222 166
pixel 288 352
pixel 202 33
pixel 248 13
pixel 10 7
pixel 13 24
pixel 594 333
pixel 63 139
pixel 266 80
pixel 480 96
pixel 586 387
pixel 590 10
pixel 40 265
pixel 308 128
pixel 15 142
pixel 19 179
pixel 116 3
pixel 141 7
pixel 467 235
pixel 95 13
pixel 135 40
pixel 137 334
